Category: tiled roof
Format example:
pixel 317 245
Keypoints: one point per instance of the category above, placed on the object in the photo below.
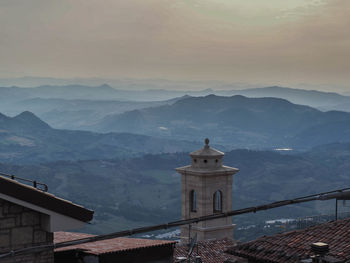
pixel 295 245
pixel 43 199
pixel 210 251
pixel 69 236
pixel 114 245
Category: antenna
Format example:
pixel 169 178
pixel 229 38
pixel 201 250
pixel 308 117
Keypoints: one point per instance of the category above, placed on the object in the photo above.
pixel 192 245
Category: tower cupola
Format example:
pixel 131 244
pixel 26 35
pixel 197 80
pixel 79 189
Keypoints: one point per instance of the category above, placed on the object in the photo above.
pixel 206 158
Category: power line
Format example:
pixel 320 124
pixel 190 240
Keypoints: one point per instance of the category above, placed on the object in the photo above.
pixel 340 193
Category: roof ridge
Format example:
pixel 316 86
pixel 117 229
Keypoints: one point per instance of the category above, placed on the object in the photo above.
pixel 39 198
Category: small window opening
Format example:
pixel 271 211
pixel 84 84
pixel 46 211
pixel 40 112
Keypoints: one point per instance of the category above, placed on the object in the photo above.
pixel 205 161
pixel 193 201
pixel 217 202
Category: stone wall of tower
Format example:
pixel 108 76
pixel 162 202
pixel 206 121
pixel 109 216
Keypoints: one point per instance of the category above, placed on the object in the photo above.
pixel 21 227
pixel 205 187
pixel 206 176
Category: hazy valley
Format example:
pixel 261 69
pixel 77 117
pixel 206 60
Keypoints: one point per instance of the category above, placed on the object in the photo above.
pixel 116 154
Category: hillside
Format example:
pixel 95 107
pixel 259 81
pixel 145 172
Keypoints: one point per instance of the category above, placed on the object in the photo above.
pixel 71 107
pixel 235 121
pixel 146 190
pixel 25 139
pixel 73 114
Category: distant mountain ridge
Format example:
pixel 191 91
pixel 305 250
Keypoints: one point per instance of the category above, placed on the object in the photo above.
pixel 83 107
pixel 312 98
pixel 237 121
pixel 27 139
pixel 72 113
pixel 81 92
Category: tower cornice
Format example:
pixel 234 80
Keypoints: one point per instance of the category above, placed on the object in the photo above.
pixel 223 170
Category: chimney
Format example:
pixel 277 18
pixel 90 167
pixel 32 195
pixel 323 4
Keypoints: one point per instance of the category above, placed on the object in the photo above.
pixel 320 248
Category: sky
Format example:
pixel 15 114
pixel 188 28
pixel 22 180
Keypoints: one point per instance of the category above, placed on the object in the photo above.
pixel 282 42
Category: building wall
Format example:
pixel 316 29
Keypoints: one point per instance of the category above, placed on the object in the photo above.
pixel 21 227
pixel 161 254
pixel 205 187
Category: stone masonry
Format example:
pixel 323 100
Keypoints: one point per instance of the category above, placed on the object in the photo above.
pixel 22 227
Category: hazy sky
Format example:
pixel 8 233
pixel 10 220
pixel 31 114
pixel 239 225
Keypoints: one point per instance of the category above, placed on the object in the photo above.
pixel 259 41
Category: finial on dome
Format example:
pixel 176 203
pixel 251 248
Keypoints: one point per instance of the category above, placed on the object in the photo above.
pixel 206 143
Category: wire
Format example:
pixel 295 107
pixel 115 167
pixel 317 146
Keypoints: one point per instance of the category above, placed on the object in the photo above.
pixel 340 193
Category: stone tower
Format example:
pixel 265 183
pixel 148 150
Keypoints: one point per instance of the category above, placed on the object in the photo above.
pixel 206 189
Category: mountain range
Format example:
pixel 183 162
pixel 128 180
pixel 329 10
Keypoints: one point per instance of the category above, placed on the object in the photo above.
pixel 162 91
pixel 27 139
pixel 313 98
pixel 80 106
pixel 235 121
pixel 77 113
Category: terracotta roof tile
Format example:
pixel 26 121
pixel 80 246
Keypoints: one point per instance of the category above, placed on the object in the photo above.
pixel 61 236
pixel 210 251
pixel 295 245
pixel 114 245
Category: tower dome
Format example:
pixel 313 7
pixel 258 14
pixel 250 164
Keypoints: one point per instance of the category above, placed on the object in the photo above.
pixel 206 158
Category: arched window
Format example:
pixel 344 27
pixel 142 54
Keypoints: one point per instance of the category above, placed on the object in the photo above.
pixel 193 201
pixel 217 202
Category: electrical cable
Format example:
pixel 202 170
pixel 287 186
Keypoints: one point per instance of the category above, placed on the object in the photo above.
pixel 339 193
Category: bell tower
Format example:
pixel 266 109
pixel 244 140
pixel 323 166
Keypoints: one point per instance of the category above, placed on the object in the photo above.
pixel 206 189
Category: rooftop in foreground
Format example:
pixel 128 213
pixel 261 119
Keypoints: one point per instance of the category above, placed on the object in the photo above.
pixel 295 245
pixel 210 251
pixel 28 196
pixel 114 245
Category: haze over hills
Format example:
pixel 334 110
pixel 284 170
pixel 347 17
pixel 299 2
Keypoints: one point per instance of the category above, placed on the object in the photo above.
pixel 128 176
pixel 235 121
pixel 74 114
pixel 313 98
pixel 249 123
pixel 80 107
pixel 125 83
pixel 27 139
pixel 162 91
pixel 102 92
